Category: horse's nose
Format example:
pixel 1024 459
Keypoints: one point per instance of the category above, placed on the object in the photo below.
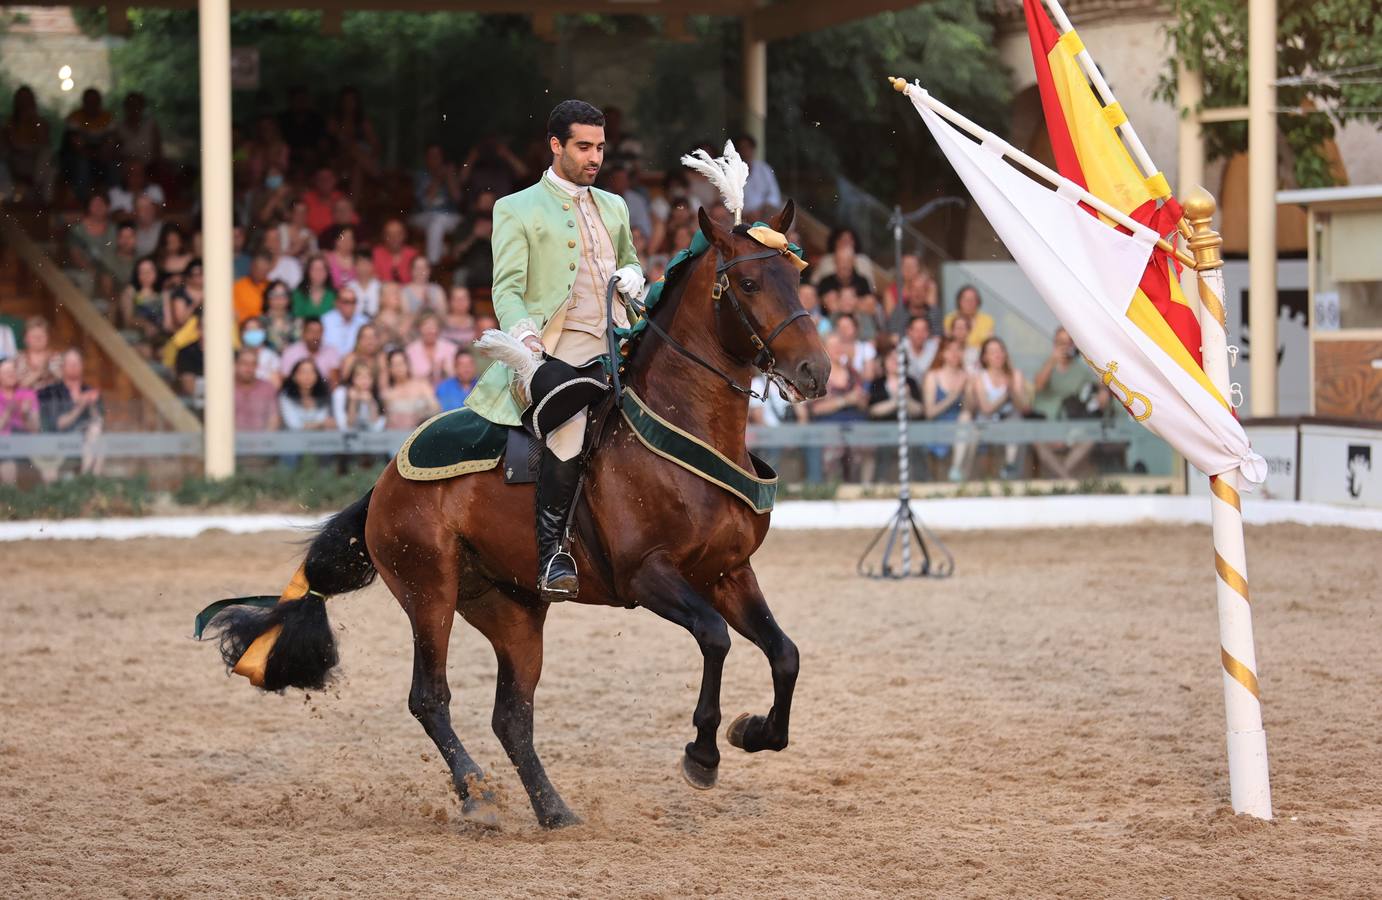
pixel 812 375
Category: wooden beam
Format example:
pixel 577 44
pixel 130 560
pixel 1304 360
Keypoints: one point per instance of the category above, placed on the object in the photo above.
pixel 117 19
pixel 99 329
pixel 787 19
pixel 545 27
pixel 333 22
pixel 729 8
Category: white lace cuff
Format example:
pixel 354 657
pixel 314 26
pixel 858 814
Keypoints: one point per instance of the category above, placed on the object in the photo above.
pixel 525 328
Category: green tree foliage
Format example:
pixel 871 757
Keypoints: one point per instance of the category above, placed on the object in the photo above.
pixel 423 76
pixel 1316 38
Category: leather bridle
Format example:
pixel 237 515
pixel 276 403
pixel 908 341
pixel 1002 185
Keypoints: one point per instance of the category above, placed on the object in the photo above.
pixel 763 359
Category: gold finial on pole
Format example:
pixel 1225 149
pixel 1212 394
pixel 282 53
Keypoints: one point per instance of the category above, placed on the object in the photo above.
pixel 1204 241
pixel 899 84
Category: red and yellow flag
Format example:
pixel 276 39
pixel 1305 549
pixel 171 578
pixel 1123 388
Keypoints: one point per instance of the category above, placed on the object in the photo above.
pixel 1088 151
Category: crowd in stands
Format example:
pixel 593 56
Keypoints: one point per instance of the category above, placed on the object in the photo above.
pixel 358 291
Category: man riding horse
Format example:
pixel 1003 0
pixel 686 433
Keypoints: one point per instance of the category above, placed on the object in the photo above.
pixel 556 245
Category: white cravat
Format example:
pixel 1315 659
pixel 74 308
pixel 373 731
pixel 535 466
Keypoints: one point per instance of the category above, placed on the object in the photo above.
pixel 569 187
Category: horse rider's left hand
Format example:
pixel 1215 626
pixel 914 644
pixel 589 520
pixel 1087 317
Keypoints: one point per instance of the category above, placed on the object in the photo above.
pixel 630 282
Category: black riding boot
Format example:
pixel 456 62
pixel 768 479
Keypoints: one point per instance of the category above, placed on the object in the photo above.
pixel 556 489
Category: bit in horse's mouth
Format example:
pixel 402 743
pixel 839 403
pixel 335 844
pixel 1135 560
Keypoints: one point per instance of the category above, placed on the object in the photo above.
pixel 789 390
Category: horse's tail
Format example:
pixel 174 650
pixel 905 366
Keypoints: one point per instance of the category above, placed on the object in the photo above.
pixel 286 641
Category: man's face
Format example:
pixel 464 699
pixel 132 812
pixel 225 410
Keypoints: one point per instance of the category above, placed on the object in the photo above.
pixel 259 268
pixel 245 364
pixel 324 181
pixel 145 213
pixel 580 158
pixel 312 336
pixel 465 367
pixel 124 241
pixel 918 332
pixel 72 366
pixel 394 233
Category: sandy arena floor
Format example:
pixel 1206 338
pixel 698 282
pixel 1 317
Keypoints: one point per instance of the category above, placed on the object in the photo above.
pixel 1048 722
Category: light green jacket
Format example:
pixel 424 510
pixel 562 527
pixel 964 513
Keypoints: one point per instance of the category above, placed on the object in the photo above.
pixel 537 248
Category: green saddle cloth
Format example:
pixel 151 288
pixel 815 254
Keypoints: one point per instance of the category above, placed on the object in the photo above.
pixel 456 442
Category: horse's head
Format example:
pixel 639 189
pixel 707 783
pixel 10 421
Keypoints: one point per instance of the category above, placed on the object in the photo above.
pixel 760 319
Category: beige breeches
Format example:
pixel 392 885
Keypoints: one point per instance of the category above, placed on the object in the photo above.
pixel 576 348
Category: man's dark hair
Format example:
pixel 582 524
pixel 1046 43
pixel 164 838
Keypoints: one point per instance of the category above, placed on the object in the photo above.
pixel 310 320
pixel 743 138
pixel 838 233
pixel 572 112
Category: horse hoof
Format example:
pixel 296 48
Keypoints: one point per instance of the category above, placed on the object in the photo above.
pixel 482 813
pixel 735 733
pixel 563 819
pixel 698 776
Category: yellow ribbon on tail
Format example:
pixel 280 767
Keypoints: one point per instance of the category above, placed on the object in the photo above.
pixel 256 657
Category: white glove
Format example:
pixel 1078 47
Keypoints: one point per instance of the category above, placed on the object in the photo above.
pixel 630 282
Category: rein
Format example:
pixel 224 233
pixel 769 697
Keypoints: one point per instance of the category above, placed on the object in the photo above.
pixel 763 360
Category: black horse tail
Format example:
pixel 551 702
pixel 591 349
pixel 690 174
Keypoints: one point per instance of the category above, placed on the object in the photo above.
pixel 303 654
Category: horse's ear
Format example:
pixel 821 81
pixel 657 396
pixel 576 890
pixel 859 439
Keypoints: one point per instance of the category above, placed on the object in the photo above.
pixel 715 231
pixel 783 220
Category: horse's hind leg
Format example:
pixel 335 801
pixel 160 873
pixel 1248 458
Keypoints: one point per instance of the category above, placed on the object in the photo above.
pixel 431 609
pixel 741 601
pixel 515 630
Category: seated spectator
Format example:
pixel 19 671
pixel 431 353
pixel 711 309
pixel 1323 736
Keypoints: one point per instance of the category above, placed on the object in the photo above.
pixel 91 238
pixel 240 261
pixel 287 268
pixel 619 181
pixel 304 401
pixel 280 328
pixel 315 296
pixel 247 294
pixel 452 392
pixel 959 328
pixel 268 365
pixel 845 400
pixel 967 303
pixel 365 284
pixel 920 296
pixel 122 258
pixel 355 404
pixel 1065 389
pixel 431 356
pixel 296 235
pixel 174 253
pixel 192 288
pixel 674 187
pixel 270 200
pixel 39 366
pixel 921 347
pixel 339 241
pixel 810 300
pixel 343 322
pixel 421 294
pixel 368 349
pixel 869 318
pixel 436 200
pixel 11 327
pixel 943 396
pixel 844 266
pixel 141 302
pixel 71 405
pixel 473 256
pixel 137 138
pixel 762 197
pixel 884 391
pixel 181 323
pixel 862 353
pixel 395 324
pixel 459 325
pixel 998 392
pixel 256 398
pixel 18 413
pixel 312 346
pixel 393 257
pixel 148 227
pixel 320 200
pixel 88 146
pixel 408 400
pixel 26 149
pixel 343 213
pixel 134 183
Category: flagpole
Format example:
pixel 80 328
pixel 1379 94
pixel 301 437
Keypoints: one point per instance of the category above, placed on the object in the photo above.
pixel 919 95
pixel 1249 787
pixel 1096 78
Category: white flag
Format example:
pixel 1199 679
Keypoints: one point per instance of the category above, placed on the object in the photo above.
pixel 1088 273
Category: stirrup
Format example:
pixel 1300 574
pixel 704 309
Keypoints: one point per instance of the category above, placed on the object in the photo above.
pixel 557 595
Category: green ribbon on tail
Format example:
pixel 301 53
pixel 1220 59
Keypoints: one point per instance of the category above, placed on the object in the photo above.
pixel 205 616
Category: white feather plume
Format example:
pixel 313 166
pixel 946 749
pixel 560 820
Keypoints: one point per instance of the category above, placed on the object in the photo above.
pixel 729 174
pixel 509 350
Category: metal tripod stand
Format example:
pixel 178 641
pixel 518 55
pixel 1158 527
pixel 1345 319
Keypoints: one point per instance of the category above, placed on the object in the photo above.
pixel 905 527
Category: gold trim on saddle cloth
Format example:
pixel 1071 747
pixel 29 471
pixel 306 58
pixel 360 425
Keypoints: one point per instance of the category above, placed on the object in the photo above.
pixel 465 467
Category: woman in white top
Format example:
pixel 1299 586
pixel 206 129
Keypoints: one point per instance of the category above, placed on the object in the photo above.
pixel 304 401
pixel 356 403
pixel 998 391
pixel 421 293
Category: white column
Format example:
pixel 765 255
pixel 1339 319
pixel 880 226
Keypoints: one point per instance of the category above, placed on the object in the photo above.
pixel 1190 158
pixel 1262 203
pixel 755 87
pixel 1249 786
pixel 218 317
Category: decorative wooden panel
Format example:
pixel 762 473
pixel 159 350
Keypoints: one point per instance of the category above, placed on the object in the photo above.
pixel 1347 385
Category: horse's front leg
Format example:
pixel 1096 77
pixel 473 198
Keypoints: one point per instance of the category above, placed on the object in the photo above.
pixel 662 590
pixel 740 601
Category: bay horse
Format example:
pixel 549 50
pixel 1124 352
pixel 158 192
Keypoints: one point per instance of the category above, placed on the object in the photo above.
pixel 648 533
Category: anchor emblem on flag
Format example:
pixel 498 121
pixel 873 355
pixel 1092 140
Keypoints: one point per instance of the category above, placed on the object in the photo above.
pixel 1125 395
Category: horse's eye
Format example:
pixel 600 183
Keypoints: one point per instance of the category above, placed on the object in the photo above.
pixel 749 285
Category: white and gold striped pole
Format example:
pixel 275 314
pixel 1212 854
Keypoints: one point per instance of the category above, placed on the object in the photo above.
pixel 1249 789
